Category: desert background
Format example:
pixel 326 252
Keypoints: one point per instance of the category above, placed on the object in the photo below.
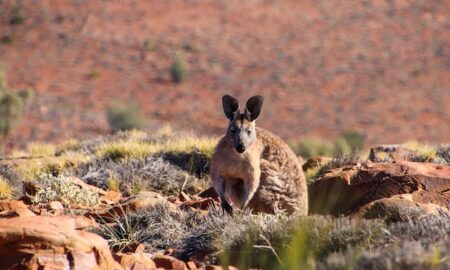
pixel 377 67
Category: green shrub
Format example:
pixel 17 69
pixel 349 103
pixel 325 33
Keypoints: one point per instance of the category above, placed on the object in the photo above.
pixel 3 82
pixel 341 146
pixel 7 39
pixel 178 70
pixel 10 112
pixel 311 147
pixel 16 20
pixel 354 139
pixel 124 117
pixel 25 94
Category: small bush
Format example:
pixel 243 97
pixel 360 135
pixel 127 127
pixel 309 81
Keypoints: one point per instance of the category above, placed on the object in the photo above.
pixel 17 20
pixel 7 39
pixel 311 147
pixel 354 139
pixel 124 117
pixel 94 74
pixel 61 189
pixel 131 175
pixel 178 70
pixel 3 82
pixel 25 95
pixel 341 147
pixel 10 112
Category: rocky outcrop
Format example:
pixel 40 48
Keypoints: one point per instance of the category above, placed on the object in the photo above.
pixel 347 189
pixel 399 208
pixel 45 242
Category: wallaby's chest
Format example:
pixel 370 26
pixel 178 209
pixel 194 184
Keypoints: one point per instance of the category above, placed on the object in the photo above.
pixel 237 165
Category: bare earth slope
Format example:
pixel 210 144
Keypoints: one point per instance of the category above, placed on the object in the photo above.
pixel 380 67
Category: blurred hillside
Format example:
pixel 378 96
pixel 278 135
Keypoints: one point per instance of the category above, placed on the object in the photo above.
pixel 379 67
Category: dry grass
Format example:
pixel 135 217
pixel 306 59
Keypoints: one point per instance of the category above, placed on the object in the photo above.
pixel 31 169
pixel 41 149
pixel 6 190
pixel 140 149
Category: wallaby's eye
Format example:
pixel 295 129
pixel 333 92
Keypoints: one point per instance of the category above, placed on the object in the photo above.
pixel 249 131
pixel 233 129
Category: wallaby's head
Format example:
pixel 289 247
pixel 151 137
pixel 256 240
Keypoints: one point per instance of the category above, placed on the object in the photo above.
pixel 241 128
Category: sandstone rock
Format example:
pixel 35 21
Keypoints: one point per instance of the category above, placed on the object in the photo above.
pixel 141 200
pixel 344 190
pixel 12 205
pixel 398 208
pixel 45 242
pixel 10 208
pixel 315 162
pixel 55 205
pixel 168 262
pixel 135 261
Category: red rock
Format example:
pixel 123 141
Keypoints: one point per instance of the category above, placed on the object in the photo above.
pixel 52 243
pixel 135 261
pixel 344 190
pixel 191 265
pixel 168 262
pixel 55 205
pixel 399 208
pixel 137 202
pixel 12 205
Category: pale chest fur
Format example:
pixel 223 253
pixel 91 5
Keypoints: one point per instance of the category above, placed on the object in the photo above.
pixel 227 163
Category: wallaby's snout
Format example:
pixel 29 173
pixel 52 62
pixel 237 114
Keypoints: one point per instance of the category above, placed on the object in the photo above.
pixel 241 129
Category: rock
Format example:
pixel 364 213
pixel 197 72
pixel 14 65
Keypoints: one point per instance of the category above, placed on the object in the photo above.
pixel 142 200
pixel 135 261
pixel 315 162
pixel 111 197
pixel 344 190
pixel 9 209
pixel 45 242
pixel 399 208
pixel 55 205
pixel 12 205
pixel 168 262
pixel 191 265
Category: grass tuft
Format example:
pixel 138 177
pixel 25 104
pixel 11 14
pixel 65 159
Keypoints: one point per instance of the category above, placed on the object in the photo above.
pixel 41 149
pixel 6 191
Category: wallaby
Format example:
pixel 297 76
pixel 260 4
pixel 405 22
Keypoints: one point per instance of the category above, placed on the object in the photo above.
pixel 254 168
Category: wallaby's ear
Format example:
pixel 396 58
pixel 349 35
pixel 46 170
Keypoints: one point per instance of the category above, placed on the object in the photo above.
pixel 253 107
pixel 230 106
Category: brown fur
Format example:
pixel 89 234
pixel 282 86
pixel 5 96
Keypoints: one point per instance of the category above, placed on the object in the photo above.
pixel 269 165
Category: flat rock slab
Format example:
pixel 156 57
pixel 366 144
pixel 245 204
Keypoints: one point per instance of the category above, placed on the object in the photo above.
pixel 46 242
pixel 344 190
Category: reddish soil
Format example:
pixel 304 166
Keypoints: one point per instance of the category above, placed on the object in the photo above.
pixel 379 67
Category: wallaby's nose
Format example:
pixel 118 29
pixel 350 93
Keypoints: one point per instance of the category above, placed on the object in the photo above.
pixel 240 147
